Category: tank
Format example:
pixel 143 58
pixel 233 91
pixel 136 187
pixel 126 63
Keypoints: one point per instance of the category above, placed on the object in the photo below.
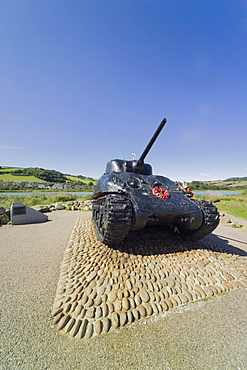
pixel 128 197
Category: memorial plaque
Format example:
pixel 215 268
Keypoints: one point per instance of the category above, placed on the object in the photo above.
pixel 21 210
pixel 21 214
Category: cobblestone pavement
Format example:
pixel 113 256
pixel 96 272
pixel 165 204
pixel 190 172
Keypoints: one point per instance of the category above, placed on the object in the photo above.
pixel 102 289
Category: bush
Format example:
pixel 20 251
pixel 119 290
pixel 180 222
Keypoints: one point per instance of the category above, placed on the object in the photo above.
pixel 6 201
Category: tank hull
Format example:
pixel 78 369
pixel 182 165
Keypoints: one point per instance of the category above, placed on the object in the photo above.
pixel 149 209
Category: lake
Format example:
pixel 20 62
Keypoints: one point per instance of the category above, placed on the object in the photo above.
pixel 219 192
pixel 28 194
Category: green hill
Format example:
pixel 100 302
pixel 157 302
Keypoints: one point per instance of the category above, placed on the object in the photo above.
pixel 31 174
pixel 233 184
pixel 10 177
pixel 85 180
pixel 36 174
pixel 9 169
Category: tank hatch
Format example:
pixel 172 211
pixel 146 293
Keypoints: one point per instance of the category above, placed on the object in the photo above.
pixel 120 165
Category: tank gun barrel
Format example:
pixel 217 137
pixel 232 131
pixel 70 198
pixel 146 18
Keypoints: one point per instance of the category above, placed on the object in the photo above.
pixel 150 144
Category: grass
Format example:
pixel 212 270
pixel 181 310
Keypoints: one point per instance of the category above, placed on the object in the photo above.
pixel 9 169
pixel 235 205
pixel 9 177
pixel 237 226
pixel 240 184
pixel 6 201
pixel 205 299
pixel 85 181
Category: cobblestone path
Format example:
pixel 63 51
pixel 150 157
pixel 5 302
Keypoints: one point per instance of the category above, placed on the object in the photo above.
pixel 103 289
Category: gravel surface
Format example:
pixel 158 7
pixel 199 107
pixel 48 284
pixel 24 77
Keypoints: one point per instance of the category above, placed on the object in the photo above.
pixel 209 334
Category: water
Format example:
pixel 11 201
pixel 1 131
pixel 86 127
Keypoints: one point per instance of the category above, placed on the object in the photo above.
pixel 29 194
pixel 217 192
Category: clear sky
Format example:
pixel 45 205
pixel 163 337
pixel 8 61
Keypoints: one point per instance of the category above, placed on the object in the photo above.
pixel 86 81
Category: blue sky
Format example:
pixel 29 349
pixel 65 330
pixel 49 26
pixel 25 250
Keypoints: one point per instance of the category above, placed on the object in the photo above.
pixel 83 82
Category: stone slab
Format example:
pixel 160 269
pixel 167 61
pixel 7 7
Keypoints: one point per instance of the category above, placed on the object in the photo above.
pixel 22 214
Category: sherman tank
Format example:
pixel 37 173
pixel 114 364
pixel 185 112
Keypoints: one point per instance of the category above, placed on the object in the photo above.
pixel 128 197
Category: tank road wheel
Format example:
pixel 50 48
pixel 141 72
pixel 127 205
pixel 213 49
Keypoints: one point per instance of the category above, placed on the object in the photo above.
pixel 211 220
pixel 112 216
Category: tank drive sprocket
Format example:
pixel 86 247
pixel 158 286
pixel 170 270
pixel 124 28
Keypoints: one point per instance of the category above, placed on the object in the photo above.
pixel 112 216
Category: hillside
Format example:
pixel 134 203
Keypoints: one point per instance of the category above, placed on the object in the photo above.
pixel 40 175
pixel 10 177
pixel 31 174
pixel 15 178
pixel 240 184
pixel 85 180
pixel 237 183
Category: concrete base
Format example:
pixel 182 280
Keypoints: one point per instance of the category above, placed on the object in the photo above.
pixel 21 214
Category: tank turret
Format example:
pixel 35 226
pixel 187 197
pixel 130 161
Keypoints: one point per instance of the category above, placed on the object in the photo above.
pixel 129 197
pixel 119 165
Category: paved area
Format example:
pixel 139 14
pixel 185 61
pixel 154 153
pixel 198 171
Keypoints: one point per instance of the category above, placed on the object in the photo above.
pixel 209 334
pixel 233 239
pixel 102 289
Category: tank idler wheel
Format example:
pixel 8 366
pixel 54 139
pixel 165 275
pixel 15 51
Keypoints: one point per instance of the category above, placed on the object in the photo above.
pixel 112 216
pixel 211 220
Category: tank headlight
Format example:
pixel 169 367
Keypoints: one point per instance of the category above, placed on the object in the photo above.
pixel 134 182
pixel 116 179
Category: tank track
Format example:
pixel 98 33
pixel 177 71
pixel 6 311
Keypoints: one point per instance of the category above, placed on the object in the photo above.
pixel 211 219
pixel 113 217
